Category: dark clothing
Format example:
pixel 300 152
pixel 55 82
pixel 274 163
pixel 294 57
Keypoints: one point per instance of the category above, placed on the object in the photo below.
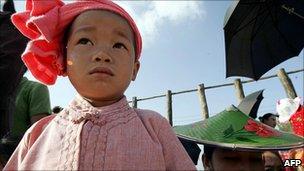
pixel 12 44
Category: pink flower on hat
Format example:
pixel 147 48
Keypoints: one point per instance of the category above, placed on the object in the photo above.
pixel 260 129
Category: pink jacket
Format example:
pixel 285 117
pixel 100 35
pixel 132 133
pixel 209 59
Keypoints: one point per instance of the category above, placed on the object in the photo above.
pixel 115 137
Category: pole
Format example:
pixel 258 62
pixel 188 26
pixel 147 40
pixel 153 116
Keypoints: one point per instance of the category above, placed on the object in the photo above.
pixel 169 106
pixel 203 101
pixel 239 90
pixel 287 84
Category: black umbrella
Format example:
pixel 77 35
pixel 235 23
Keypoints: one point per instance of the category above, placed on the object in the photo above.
pixel 260 34
pixel 192 149
pixel 250 104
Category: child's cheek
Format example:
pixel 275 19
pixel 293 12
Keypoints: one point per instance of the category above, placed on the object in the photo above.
pixel 69 62
pixel 70 59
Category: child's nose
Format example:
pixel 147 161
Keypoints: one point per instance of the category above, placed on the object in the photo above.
pixel 102 57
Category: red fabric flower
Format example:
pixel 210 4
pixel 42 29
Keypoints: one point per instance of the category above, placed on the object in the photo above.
pixel 260 129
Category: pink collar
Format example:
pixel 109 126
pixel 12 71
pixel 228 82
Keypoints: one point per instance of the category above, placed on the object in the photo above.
pixel 82 110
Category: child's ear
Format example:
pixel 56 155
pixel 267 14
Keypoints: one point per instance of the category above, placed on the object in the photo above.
pixel 135 69
pixel 206 162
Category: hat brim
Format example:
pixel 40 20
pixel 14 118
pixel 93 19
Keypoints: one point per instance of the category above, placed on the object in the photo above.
pixel 234 130
pixel 242 147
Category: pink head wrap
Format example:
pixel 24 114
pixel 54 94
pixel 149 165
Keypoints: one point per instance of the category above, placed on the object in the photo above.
pixel 45 22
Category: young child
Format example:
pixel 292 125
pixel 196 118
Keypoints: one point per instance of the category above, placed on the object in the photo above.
pixel 100 45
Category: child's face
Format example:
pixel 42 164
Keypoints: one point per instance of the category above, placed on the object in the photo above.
pixel 101 56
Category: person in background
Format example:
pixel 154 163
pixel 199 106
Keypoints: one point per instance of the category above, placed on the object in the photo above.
pixel 273 161
pixel 57 109
pixel 22 102
pixel 269 119
pixel 12 44
pixel 219 159
pixel 32 104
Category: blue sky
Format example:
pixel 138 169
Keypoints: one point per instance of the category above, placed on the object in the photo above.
pixel 184 47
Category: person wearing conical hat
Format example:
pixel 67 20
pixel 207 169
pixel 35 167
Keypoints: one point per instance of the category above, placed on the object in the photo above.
pixel 220 159
pixel 236 140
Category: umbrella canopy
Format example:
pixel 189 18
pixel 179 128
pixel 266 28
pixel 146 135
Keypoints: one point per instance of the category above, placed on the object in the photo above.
pixel 250 104
pixel 192 149
pixel 260 34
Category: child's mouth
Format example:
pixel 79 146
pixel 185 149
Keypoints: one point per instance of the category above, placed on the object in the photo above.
pixel 101 70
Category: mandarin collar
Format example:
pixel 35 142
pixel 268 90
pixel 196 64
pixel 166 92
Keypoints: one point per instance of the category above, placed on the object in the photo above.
pixel 83 110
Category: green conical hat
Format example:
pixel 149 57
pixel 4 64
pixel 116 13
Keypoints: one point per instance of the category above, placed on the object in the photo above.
pixel 233 129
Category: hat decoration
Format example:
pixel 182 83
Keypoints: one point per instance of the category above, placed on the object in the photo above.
pixel 292 112
pixel 297 121
pixel 286 107
pixel 233 129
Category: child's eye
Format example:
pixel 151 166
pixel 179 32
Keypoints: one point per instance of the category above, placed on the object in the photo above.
pixel 84 41
pixel 119 46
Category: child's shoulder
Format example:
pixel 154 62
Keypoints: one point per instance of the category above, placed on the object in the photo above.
pixel 35 130
pixel 150 116
pixel 40 124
